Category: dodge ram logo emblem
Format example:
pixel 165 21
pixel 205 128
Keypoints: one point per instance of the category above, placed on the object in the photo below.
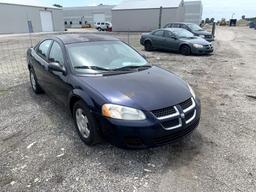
pixel 182 115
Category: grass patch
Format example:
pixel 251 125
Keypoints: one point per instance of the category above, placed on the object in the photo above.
pixel 3 92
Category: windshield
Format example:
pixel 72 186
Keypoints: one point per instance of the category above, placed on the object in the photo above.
pixel 194 27
pixel 100 56
pixel 182 33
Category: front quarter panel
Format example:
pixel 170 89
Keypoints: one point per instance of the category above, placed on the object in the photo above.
pixel 89 95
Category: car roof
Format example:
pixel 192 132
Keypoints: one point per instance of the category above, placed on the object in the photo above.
pixel 180 23
pixel 170 29
pixel 80 38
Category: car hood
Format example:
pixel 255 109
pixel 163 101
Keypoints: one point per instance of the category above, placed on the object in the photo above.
pixel 150 89
pixel 197 40
pixel 202 32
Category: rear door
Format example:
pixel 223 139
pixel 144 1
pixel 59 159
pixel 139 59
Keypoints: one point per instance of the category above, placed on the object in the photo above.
pixel 171 43
pixel 158 39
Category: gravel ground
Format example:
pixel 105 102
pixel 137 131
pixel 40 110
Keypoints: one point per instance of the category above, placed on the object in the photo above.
pixel 40 150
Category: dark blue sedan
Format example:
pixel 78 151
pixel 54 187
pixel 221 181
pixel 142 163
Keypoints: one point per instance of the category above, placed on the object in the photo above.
pixel 112 91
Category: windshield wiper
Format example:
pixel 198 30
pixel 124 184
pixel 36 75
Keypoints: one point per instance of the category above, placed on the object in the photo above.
pixel 131 67
pixel 92 67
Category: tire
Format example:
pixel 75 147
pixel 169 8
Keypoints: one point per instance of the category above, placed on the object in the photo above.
pixel 99 29
pixel 33 81
pixel 85 124
pixel 185 50
pixel 148 46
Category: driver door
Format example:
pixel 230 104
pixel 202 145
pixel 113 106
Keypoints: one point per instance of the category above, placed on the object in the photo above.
pixel 57 82
pixel 172 42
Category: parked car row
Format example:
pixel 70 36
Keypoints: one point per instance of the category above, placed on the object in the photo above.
pixel 175 39
pixel 185 38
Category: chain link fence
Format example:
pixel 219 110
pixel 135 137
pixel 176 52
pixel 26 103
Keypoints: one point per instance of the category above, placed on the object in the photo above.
pixel 13 48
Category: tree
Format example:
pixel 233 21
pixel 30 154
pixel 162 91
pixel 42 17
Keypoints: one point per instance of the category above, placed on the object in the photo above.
pixel 243 17
pixel 57 5
pixel 207 20
pixel 212 20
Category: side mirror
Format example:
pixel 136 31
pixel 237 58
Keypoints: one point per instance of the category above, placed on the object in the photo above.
pixel 174 37
pixel 54 66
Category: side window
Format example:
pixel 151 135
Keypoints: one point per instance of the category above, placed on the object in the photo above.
pixel 168 26
pixel 169 34
pixel 175 25
pixel 43 48
pixel 102 23
pixel 56 54
pixel 98 23
pixel 184 27
pixel 159 33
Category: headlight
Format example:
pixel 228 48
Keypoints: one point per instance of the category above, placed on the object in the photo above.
pixel 121 112
pixel 202 36
pixel 198 46
pixel 192 91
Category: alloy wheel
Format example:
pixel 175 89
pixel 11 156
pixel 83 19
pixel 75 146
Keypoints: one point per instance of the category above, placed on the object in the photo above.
pixel 82 123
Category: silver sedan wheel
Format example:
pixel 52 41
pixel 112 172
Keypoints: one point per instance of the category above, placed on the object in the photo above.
pixel 82 123
pixel 33 81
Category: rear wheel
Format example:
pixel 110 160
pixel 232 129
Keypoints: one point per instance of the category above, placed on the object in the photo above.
pixel 85 124
pixel 185 50
pixel 148 46
pixel 33 81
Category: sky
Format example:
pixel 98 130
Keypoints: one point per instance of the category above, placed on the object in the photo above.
pixel 211 8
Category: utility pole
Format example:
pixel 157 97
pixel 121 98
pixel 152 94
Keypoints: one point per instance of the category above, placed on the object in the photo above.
pixel 160 17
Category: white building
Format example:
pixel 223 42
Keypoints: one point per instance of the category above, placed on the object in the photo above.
pixel 144 15
pixel 19 18
pixel 193 11
pixel 75 17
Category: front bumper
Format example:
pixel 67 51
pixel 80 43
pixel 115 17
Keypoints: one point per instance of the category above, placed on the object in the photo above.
pixel 202 51
pixel 209 39
pixel 146 133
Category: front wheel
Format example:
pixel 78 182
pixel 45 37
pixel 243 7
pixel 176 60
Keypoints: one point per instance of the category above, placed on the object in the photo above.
pixel 33 81
pixel 148 46
pixel 85 124
pixel 185 50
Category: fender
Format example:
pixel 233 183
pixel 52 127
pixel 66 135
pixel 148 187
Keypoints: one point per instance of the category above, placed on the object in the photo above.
pixel 78 94
pixel 184 43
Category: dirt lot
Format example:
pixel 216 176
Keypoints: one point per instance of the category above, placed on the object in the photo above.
pixel 40 150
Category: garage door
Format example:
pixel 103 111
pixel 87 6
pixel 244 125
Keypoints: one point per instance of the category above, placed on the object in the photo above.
pixel 46 21
pixel 98 18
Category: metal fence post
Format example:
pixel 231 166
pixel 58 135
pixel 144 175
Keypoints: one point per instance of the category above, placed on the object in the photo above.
pixel 160 17
pixel 128 37
pixel 213 29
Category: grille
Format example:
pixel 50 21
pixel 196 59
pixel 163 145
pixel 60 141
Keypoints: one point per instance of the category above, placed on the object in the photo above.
pixel 208 46
pixel 170 123
pixel 186 104
pixel 189 115
pixel 170 117
pixel 164 112
pixel 175 135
